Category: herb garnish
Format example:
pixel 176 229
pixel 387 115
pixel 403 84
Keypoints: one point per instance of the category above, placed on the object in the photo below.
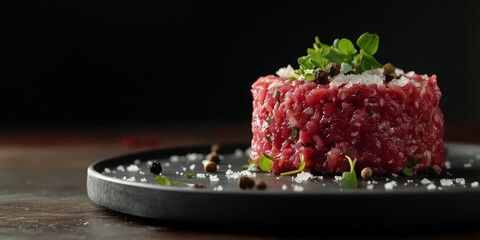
pixel 189 175
pixel 347 152
pixel 349 179
pixel 265 162
pixel 300 168
pixel 407 170
pixel 250 166
pixel 342 52
pixel 277 94
pixel 163 180
pixel 269 138
pixel 294 133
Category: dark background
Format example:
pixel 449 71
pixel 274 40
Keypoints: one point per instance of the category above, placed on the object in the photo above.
pixel 169 61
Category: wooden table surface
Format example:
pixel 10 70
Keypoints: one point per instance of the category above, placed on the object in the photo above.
pixel 43 183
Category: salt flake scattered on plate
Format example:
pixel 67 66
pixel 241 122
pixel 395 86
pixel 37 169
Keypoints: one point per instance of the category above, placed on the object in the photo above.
pixel 133 168
pixel 297 188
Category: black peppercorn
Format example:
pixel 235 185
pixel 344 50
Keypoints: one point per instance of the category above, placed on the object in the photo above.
pixel 213 157
pixel 333 69
pixel 199 185
pixel 321 77
pixel 210 167
pixel 261 185
pixel 245 182
pixel 434 171
pixel 155 167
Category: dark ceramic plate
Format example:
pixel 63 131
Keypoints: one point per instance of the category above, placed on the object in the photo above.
pixel 124 184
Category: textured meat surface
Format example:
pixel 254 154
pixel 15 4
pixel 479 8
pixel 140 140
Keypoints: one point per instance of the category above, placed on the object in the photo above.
pixel 383 125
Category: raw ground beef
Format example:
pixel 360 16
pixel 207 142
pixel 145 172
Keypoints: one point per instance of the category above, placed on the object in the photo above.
pixel 382 125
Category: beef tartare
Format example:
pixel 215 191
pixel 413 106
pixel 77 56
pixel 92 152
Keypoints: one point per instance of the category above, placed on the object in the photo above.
pixel 347 105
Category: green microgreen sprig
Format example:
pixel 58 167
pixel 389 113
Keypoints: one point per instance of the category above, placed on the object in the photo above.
pixel 265 162
pixel 250 166
pixel 294 133
pixel 300 168
pixel 411 163
pixel 342 52
pixel 349 179
pixel 163 180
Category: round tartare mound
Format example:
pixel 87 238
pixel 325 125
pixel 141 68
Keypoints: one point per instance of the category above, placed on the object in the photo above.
pixel 381 124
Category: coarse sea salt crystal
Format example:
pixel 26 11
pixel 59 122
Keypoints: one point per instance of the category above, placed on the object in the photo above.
pixel 369 77
pixel 431 186
pixel 238 153
pixel 248 151
pixel 143 180
pixel 446 182
pixel 390 185
pixel 191 156
pixel 174 158
pixel 130 179
pixel 401 82
pixel 394 175
pixel 474 184
pixel 229 172
pixel 235 175
pixel 302 177
pixel 372 182
pixel 192 167
pixel 460 181
pixel 284 187
pixel 107 170
pixel 141 172
pixel 425 181
pixel 121 168
pixel 133 168
pixel 297 188
pixel 285 72
pixel 229 166
pixel 448 165
pixel 200 175
pixel 410 74
pixel 214 178
pixel 370 186
pixel 219 188
pixel 337 178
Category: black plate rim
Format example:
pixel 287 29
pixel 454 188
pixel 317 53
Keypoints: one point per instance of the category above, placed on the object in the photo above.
pixel 94 173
